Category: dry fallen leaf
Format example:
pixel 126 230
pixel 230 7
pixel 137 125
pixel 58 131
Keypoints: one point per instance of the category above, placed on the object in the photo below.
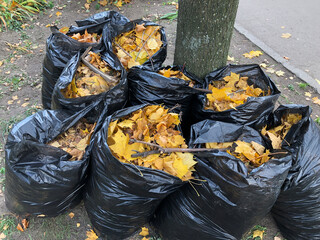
pixel 316 100
pixel 307 94
pixel 258 233
pixel 87 6
pixel 25 104
pixel 10 102
pixel 231 59
pixel 270 70
pixel 252 54
pixel 71 215
pixel 286 35
pixel 169 73
pixel 78 224
pixel 280 73
pixel 263 65
pixel 19 227
pixel 15 97
pixel 91 235
pixel 58 13
pixel 144 232
pixel 286 58
pixel 1 62
pixel 41 215
pixel 276 238
pixel 2 236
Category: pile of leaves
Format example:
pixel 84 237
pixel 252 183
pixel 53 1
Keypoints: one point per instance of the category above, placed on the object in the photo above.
pixel 138 45
pixel 169 73
pixel 231 92
pixel 75 140
pixel 117 3
pixel 277 134
pixel 143 131
pixel 252 154
pixel 86 82
pixel 84 38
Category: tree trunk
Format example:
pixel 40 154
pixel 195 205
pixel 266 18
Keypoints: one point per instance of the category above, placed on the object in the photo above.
pixel 203 34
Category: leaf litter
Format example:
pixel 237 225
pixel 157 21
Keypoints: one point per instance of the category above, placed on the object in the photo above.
pixel 169 73
pixel 75 140
pixel 84 37
pixel 144 129
pixel 86 82
pixel 231 92
pixel 135 47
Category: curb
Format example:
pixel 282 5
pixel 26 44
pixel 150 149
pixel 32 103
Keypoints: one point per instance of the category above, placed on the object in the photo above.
pixel 276 56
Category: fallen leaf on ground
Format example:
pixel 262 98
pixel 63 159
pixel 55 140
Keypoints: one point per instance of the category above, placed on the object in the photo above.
pixel 10 102
pixel 230 58
pixel 276 238
pixel 270 70
pixel 15 97
pixel 25 104
pixel 48 25
pixel 263 65
pixel 91 235
pixel 19 227
pixel 2 236
pixel 144 232
pixel 78 224
pixel 280 73
pixel 5 227
pixel 58 13
pixel 41 215
pixel 71 215
pixel 1 62
pixel 87 6
pixel 286 35
pixel 25 223
pixel 169 73
pixel 286 58
pixel 307 94
pixel 258 233
pixel 316 100
pixel 252 54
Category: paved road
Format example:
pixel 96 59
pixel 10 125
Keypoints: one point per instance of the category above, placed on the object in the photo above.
pixel 265 22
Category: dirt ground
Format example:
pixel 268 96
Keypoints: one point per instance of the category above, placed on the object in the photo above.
pixel 20 95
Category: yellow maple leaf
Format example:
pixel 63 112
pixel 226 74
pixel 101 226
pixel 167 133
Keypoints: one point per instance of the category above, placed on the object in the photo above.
pixel 280 73
pixel 58 14
pixel 307 94
pixel 71 215
pixel 118 4
pixel 258 233
pixel 286 35
pixel 144 232
pixel 316 100
pixel 91 235
pixel 103 2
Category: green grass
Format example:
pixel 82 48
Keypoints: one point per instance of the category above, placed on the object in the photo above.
pixel 303 85
pixel 317 120
pixel 8 225
pixel 14 13
pixel 249 236
pixel 291 87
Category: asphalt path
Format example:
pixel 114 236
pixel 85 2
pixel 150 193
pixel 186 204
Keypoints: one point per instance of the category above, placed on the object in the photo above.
pixel 264 22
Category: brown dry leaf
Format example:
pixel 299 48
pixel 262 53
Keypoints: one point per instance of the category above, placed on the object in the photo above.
pixel 75 140
pixel 152 124
pixel 71 215
pixel 230 92
pixel 138 45
pixel 286 35
pixel 25 223
pixel 86 82
pixel 144 232
pixel 169 73
pixel 86 37
pixel 258 233
pixel 278 133
pixel 20 228
pixel 316 100
pixel 103 2
pixel 91 235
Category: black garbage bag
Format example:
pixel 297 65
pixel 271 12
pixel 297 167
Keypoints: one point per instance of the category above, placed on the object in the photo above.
pixel 115 29
pixel 60 48
pixel 121 197
pixel 230 199
pixel 115 98
pixel 151 87
pixel 254 112
pixel 297 209
pixel 40 179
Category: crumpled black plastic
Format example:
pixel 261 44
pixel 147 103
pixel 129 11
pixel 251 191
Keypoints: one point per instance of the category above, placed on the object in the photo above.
pixel 254 112
pixel 115 29
pixel 297 210
pixel 228 200
pixel 115 98
pixel 40 179
pixel 120 197
pixel 151 87
pixel 60 48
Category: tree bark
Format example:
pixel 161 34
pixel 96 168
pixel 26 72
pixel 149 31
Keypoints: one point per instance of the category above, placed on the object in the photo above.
pixel 203 34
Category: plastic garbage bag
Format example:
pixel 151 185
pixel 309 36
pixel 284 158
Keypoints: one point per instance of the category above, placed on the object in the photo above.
pixel 60 48
pixel 40 179
pixel 121 197
pixel 297 209
pixel 115 98
pixel 254 111
pixel 228 199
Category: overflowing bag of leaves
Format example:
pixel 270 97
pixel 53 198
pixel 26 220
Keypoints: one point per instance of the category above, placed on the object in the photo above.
pixel 64 43
pixel 297 209
pixel 86 79
pixel 136 43
pixel 235 186
pixel 168 85
pixel 46 162
pixel 240 94
pixel 135 163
